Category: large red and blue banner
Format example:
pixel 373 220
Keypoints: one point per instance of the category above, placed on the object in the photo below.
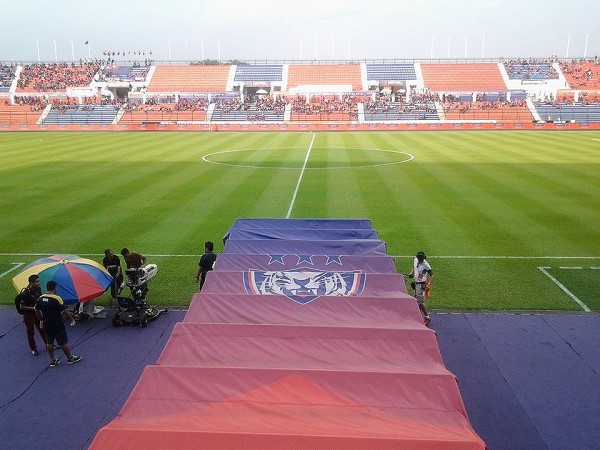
pixel 303 336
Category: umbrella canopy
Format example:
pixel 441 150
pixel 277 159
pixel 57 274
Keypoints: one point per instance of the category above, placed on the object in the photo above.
pixel 77 279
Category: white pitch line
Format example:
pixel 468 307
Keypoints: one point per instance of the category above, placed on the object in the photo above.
pixel 570 268
pixel 499 257
pixel 564 289
pixel 289 213
pixel 16 266
pixel 165 255
pixel 176 255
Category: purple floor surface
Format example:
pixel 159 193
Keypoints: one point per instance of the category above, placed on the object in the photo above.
pixel 529 381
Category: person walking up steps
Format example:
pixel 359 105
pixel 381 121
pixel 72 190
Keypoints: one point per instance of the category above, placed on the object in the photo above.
pixel 423 276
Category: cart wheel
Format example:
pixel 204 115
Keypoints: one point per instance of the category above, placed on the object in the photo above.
pixel 116 321
pixel 143 319
pixel 151 313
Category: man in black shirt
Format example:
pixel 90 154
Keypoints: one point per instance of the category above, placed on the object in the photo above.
pixel 112 263
pixel 29 295
pixel 206 263
pixel 50 309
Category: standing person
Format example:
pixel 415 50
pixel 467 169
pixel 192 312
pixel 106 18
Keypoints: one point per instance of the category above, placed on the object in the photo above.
pixel 50 309
pixel 206 263
pixel 133 260
pixel 29 295
pixel 112 263
pixel 423 276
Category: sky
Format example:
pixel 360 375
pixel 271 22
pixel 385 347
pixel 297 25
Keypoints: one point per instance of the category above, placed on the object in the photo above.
pixel 276 30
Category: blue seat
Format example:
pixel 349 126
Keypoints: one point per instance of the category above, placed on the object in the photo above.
pixel 82 115
pixel 389 72
pixel 259 73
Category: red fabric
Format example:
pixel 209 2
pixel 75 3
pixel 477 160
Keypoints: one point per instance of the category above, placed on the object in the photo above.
pixel 355 312
pixel 176 407
pixel 303 347
pixel 376 284
pixel 354 370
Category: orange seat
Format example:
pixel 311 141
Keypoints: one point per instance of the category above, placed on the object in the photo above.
pixel 189 79
pixel 468 77
pixel 18 115
pixel 325 74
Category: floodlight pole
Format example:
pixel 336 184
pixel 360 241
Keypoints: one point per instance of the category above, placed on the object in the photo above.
pixel 482 46
pixel 431 49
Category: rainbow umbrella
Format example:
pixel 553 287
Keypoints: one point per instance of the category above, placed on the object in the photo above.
pixel 77 279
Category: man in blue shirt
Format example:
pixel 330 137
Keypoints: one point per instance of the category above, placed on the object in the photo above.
pixel 50 309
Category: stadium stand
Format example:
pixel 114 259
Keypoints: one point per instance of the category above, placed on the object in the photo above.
pixel 251 110
pixel 55 77
pixel 18 115
pixel 386 110
pixel 502 111
pixel 315 93
pixel 7 75
pixel 259 73
pixel 123 73
pixel 467 77
pixel 330 108
pixel 186 110
pixel 391 72
pixel 530 70
pixel 81 115
pixel 325 75
pixel 189 79
pixel 558 112
pixel 582 75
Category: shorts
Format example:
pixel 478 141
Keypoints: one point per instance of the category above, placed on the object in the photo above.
pixel 59 335
pixel 420 289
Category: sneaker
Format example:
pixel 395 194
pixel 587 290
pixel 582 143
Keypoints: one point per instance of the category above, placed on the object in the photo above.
pixel 35 352
pixel 427 319
pixel 73 359
pixel 54 362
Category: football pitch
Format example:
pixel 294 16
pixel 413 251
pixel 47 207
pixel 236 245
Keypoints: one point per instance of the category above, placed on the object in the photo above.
pixel 509 220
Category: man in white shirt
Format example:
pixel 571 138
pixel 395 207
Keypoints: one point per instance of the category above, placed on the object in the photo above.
pixel 423 276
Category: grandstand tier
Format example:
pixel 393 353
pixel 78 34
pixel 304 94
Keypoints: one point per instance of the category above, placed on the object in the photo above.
pixel 463 77
pixel 371 93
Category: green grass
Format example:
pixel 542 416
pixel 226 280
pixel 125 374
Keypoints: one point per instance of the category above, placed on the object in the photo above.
pixel 489 207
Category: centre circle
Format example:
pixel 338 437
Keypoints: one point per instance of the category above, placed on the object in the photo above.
pixel 233 158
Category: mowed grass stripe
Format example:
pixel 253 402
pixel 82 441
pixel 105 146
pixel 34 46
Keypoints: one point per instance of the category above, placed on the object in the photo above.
pixel 492 211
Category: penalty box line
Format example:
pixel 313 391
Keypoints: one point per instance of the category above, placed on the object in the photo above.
pixel 564 289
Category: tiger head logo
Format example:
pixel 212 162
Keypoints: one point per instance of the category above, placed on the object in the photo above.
pixel 304 286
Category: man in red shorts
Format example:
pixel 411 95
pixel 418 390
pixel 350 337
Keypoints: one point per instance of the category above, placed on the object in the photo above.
pixel 29 295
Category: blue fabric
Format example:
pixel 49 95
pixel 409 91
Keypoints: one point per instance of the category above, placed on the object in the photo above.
pixel 247 261
pixel 302 234
pixel 271 247
pixel 324 224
